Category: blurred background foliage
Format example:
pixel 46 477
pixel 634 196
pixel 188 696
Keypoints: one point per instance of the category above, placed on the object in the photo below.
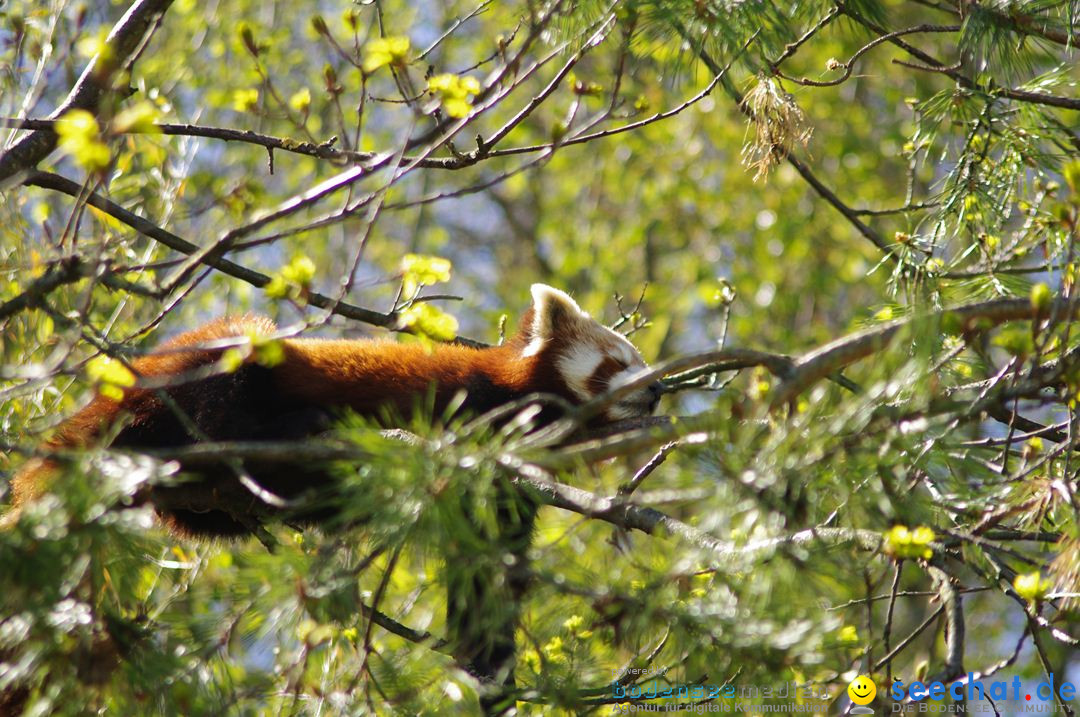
pixel 955 191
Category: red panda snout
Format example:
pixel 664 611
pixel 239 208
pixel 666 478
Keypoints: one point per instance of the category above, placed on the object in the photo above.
pixel 589 358
pixel 559 350
pixel 642 402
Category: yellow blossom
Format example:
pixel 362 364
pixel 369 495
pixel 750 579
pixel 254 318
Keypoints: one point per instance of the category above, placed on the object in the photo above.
pixel 902 542
pixel 301 100
pixel 80 137
pixel 245 100
pixel 1033 587
pixel 454 93
pixel 385 51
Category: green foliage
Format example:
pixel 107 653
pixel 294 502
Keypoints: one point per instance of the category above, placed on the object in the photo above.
pixel 293 280
pixel 941 171
pixel 79 136
pixel 454 93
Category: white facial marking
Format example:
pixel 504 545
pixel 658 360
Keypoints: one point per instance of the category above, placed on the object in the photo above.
pixel 534 347
pixel 619 411
pixel 577 365
pixel 638 403
pixel 626 376
pixel 581 345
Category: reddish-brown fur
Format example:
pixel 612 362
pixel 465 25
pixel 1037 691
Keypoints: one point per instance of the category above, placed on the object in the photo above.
pixel 302 394
pixel 295 398
pixel 81 428
pixel 598 382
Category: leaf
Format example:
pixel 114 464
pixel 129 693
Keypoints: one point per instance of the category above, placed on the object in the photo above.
pixel 419 270
pixel 292 280
pixel 430 322
pixel 80 137
pixel 110 376
pixel 245 100
pixel 301 100
pixel 138 118
pixel 385 51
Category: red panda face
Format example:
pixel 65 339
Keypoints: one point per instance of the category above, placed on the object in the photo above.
pixel 588 358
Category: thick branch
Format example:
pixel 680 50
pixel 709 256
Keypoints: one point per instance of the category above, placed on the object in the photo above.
pixel 652 521
pixel 285 144
pixel 66 271
pixel 819 364
pixel 934 65
pixel 954 625
pixel 834 356
pixel 614 510
pixel 1031 24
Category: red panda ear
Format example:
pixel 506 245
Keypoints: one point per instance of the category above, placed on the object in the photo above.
pixel 553 313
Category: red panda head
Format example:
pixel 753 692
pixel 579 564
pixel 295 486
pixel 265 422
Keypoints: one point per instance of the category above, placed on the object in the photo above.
pixel 586 357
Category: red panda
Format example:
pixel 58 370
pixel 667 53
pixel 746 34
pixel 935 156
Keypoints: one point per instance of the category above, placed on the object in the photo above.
pixel 559 349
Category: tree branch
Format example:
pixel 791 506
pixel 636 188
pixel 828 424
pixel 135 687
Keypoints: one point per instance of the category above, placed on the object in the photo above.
pixel 65 271
pixel 834 356
pixel 954 626
pixel 827 194
pixel 124 41
pixel 285 144
pixel 651 521
pixel 48 180
pixel 849 66
pixel 1031 25
pixel 933 65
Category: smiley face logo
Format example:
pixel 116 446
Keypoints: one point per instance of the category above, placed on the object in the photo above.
pixel 862 690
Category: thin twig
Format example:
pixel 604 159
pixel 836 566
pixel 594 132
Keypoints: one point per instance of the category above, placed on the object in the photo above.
pixel 48 180
pixel 849 66
pixel 887 632
pixel 124 42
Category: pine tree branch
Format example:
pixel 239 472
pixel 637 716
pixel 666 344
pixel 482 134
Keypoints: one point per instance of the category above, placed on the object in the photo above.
pixel 849 66
pixel 1031 25
pixel 933 65
pixel 653 522
pixel 827 194
pixel 819 364
pixel 952 601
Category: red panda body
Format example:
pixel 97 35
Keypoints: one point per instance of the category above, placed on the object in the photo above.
pixel 559 350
